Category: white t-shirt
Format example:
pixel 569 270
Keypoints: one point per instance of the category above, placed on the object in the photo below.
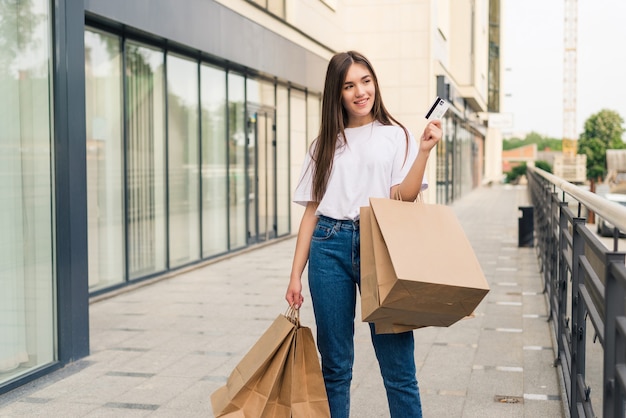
pixel 370 163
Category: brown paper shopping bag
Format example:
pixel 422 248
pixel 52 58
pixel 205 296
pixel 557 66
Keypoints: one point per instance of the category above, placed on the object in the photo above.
pixel 308 392
pixel 279 401
pixel 253 380
pixel 417 266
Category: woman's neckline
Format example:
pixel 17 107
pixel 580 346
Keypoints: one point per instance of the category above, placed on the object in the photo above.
pixel 361 126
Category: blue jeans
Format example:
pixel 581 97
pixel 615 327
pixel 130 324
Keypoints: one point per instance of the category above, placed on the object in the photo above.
pixel 334 274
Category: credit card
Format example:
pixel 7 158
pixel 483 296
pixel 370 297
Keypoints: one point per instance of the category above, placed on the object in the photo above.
pixel 438 109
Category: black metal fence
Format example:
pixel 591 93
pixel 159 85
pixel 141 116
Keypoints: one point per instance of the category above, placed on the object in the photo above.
pixel 585 284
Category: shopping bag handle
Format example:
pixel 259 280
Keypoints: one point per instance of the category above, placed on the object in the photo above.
pixel 398 196
pixel 293 315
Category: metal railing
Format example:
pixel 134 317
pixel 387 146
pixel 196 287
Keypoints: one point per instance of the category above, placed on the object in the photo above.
pixel 585 284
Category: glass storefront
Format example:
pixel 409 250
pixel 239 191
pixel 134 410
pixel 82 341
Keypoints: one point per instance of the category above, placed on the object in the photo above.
pixel 214 161
pixel 237 200
pixel 27 270
pixel 145 160
pixel 105 158
pixel 185 160
pixel 283 186
pixel 458 160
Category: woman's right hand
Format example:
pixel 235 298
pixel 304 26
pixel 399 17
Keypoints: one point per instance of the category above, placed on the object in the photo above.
pixel 294 293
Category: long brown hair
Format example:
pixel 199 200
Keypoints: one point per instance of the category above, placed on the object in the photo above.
pixel 335 118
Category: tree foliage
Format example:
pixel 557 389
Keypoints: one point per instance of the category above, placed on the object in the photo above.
pixel 520 170
pixel 542 142
pixel 544 165
pixel 603 130
pixel 515 173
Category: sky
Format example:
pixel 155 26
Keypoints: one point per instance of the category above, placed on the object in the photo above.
pixel 532 53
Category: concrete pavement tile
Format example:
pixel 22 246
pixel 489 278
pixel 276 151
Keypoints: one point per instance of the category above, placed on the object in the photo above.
pixel 156 390
pixel 150 339
pixel 510 322
pixel 103 389
pixel 464 332
pixel 455 375
pixel 151 362
pixel 194 401
pixel 499 349
pixel 547 409
pixel 109 338
pixel 540 375
pixel 483 405
pixel 184 343
pixel 436 405
pixel 195 365
pixel 492 382
pixel 536 330
pixel 107 360
pixel 118 411
pixel 501 308
pixel 49 409
pixel 58 389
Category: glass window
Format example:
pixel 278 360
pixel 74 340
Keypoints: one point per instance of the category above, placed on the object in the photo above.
pixel 183 160
pixel 282 161
pixel 298 130
pixel 261 156
pixel 27 281
pixel 237 160
pixel 105 205
pixel 214 162
pixel 260 92
pixel 313 114
pixel 298 136
pixel 145 124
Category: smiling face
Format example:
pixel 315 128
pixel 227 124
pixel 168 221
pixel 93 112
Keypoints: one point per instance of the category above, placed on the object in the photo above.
pixel 358 95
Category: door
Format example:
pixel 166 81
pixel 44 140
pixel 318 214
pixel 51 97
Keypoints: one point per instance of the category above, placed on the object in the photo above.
pixel 261 175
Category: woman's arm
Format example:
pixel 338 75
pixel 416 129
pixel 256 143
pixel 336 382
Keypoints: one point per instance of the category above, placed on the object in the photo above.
pixel 301 255
pixel 412 183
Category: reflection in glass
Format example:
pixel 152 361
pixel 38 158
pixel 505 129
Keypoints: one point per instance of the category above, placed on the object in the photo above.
pixel 236 155
pixel 214 163
pixel 282 161
pixel 105 207
pixel 145 154
pixel 313 114
pixel 27 281
pixel 261 158
pixel 182 118
pixel 298 143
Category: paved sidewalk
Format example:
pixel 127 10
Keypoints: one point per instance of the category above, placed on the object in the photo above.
pixel 160 350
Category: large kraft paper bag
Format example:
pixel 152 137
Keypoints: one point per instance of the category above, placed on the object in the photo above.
pixel 308 393
pixel 418 268
pixel 254 379
pixel 279 401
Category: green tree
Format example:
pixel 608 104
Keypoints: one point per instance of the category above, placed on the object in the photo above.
pixel 542 142
pixel 603 130
pixel 544 165
pixel 516 172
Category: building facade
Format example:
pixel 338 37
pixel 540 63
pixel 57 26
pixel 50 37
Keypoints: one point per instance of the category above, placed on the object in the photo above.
pixel 144 137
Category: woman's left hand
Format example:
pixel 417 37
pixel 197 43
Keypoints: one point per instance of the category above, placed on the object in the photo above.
pixel 431 136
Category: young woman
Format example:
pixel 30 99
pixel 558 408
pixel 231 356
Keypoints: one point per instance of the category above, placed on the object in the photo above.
pixel 361 152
